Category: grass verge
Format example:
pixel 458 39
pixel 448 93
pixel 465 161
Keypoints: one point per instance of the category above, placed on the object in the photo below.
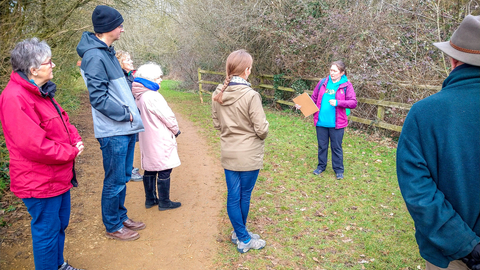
pixel 312 222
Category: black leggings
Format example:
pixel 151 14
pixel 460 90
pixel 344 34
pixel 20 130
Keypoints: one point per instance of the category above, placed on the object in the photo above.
pixel 165 174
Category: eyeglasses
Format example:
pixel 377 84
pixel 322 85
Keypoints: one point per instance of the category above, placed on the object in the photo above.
pixel 48 63
pixel 120 26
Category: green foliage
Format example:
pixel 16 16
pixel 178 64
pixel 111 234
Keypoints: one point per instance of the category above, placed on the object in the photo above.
pixel 278 81
pixel 316 9
pixel 300 86
pixel 69 86
pixel 312 222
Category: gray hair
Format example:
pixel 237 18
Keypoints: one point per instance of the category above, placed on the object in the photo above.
pixel 150 71
pixel 29 53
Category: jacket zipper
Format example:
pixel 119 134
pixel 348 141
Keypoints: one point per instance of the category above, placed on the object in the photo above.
pixel 63 122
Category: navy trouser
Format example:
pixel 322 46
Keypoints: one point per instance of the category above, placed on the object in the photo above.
pixel 50 217
pixel 335 136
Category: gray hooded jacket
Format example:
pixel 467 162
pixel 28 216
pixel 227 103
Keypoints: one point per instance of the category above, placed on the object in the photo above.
pixel 110 96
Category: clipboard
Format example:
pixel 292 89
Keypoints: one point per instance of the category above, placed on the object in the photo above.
pixel 308 107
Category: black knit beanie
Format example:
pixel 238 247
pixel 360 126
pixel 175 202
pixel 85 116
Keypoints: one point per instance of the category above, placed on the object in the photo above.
pixel 105 19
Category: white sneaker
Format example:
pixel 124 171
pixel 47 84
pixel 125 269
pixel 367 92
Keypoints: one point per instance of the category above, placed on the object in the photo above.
pixel 253 244
pixel 235 238
pixel 136 176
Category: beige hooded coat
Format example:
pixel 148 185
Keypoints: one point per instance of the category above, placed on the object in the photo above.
pixel 157 144
pixel 243 127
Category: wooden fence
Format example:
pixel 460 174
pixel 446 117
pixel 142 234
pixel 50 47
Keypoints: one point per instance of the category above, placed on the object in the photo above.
pixel 381 104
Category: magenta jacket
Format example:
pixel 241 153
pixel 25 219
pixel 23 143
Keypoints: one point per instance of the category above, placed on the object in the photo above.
pixel 41 144
pixel 345 99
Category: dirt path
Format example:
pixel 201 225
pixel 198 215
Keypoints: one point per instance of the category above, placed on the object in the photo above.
pixel 184 238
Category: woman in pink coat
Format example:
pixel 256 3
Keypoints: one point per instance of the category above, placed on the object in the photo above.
pixel 157 144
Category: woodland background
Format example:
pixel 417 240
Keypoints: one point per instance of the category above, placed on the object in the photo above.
pixel 386 44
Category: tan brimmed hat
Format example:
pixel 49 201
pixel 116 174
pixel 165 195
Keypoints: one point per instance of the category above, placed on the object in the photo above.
pixel 465 42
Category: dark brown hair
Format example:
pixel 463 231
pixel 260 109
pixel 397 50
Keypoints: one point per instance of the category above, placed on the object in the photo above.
pixel 237 62
pixel 340 65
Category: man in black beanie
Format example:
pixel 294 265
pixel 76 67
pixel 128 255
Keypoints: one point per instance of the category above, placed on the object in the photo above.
pixel 116 118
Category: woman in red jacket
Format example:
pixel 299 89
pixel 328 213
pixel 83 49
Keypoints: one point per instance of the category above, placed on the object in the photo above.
pixel 42 145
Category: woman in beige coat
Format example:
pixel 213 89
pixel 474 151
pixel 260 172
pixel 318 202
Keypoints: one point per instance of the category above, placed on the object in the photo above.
pixel 238 114
pixel 157 144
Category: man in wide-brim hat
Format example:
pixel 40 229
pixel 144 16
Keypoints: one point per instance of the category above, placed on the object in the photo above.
pixel 438 165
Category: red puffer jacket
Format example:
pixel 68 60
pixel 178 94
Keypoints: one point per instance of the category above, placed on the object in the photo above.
pixel 41 145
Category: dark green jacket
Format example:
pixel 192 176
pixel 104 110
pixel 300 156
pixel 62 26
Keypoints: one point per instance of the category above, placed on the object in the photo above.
pixel 438 168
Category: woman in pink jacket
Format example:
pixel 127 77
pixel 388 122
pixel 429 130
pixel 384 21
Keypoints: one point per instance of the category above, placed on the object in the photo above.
pixel 333 96
pixel 157 144
pixel 43 146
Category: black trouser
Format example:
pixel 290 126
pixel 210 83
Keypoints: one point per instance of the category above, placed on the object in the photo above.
pixel 161 174
pixel 335 136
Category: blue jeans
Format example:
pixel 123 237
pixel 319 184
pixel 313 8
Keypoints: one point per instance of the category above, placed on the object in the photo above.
pixel 336 138
pixel 117 154
pixel 50 217
pixel 240 186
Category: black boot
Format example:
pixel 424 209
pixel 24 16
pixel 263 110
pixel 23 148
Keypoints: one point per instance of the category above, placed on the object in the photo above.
pixel 150 191
pixel 164 202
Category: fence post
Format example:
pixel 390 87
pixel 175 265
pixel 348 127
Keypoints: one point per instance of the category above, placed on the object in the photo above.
pixel 261 82
pixel 200 85
pixel 381 109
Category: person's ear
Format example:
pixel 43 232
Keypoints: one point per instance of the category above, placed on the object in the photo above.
pixel 34 71
pixel 454 63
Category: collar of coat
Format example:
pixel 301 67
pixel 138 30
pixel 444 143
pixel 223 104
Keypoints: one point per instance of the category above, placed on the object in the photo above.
pixel 239 80
pixel 47 90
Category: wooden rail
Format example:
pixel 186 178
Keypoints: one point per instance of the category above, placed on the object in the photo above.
pixel 381 104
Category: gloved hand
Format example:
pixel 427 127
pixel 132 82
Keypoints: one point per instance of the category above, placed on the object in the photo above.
pixel 176 135
pixel 472 260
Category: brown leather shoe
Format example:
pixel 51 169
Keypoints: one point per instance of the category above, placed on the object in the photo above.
pixel 123 234
pixel 133 225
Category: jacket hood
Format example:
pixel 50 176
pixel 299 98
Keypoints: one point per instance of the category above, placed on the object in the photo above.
pixel 90 41
pixel 344 82
pixel 138 90
pixel 233 93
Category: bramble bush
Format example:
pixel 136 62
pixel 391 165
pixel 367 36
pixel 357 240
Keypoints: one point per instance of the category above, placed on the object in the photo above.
pixel 386 45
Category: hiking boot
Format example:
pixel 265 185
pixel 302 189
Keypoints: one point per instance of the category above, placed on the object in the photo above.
pixel 124 234
pixel 66 266
pixel 133 225
pixel 164 203
pixel 252 244
pixel 235 238
pixel 136 176
pixel 317 171
pixel 339 176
